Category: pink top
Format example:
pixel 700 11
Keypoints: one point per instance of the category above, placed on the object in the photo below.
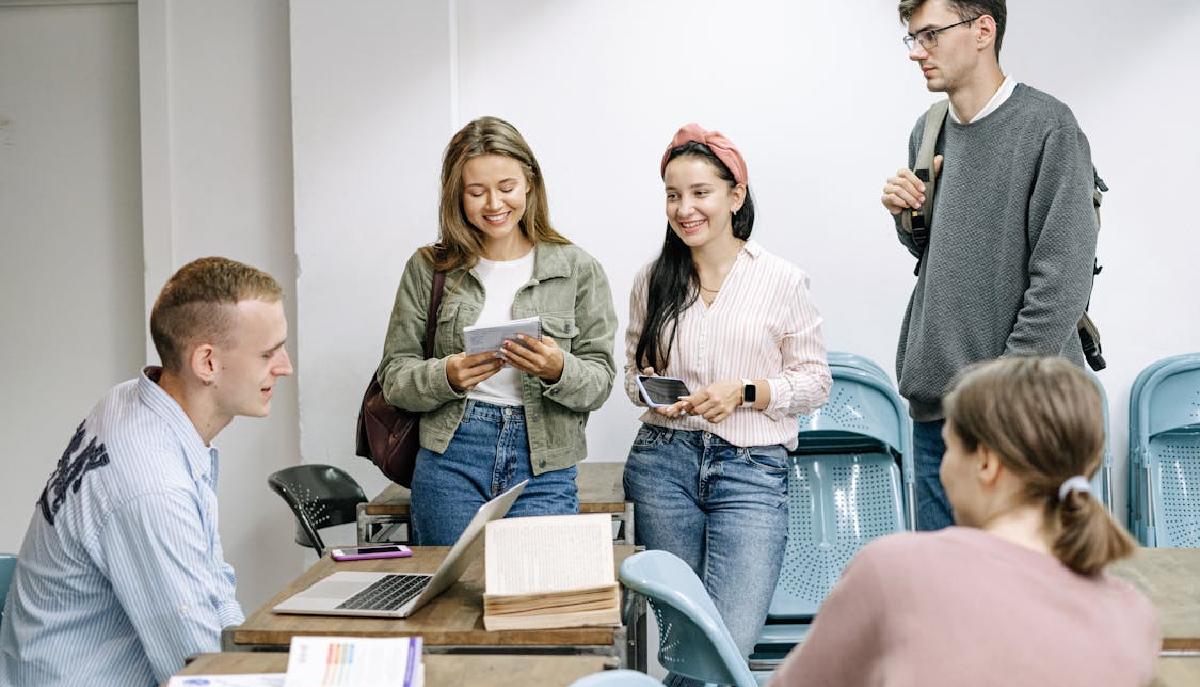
pixel 761 325
pixel 965 608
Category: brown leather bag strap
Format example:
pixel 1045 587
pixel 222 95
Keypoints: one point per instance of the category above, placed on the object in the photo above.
pixel 435 302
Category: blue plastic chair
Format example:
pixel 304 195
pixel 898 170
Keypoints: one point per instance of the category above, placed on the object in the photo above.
pixel 1137 505
pixel 1164 428
pixel 844 490
pixel 692 638
pixel 8 564
pixel 1102 480
pixel 617 678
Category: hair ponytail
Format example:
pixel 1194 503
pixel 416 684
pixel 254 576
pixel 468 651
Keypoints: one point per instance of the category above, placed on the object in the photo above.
pixel 1087 537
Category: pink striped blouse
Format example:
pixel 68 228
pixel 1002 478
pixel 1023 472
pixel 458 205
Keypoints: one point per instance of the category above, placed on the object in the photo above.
pixel 762 325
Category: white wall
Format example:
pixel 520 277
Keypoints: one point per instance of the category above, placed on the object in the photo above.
pixel 70 237
pixel 820 97
pixel 217 154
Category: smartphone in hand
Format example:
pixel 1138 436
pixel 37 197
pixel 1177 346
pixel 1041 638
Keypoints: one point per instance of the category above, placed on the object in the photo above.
pixel 362 553
pixel 661 391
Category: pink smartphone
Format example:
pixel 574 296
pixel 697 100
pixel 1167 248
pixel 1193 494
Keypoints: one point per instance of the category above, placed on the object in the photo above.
pixel 362 553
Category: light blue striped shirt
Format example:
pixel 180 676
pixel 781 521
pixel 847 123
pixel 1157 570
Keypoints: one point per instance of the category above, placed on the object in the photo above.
pixel 121 576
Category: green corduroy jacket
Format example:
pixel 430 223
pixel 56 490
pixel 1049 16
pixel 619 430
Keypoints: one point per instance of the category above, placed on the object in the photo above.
pixel 569 292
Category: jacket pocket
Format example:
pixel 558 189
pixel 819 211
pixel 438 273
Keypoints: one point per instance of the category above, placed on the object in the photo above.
pixel 560 328
pixel 448 339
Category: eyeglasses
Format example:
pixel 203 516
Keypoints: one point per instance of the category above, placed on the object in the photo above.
pixel 928 37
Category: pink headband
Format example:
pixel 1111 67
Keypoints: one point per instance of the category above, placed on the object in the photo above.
pixel 722 147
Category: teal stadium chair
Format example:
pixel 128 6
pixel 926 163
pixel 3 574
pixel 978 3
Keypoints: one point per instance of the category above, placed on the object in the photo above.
pixel 692 639
pixel 850 480
pixel 1164 453
pixel 8 563
pixel 1102 480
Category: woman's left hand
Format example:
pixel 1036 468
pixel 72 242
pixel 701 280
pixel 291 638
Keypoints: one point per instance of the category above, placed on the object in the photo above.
pixel 716 401
pixel 542 359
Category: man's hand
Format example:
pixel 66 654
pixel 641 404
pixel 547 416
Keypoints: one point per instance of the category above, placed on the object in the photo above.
pixel 541 358
pixel 905 190
pixel 716 401
pixel 465 371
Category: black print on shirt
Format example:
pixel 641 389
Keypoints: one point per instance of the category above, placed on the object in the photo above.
pixel 70 471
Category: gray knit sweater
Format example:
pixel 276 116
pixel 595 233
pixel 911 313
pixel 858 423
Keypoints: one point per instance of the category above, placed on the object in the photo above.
pixel 1008 268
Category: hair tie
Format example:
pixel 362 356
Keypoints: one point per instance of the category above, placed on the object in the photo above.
pixel 722 147
pixel 1077 483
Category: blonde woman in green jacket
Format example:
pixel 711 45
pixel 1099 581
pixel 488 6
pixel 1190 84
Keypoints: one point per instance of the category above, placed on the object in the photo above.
pixel 493 419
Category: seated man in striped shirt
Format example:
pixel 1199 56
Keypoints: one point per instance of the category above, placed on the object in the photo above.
pixel 121 575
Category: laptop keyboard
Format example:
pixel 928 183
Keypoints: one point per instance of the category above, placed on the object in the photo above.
pixel 387 593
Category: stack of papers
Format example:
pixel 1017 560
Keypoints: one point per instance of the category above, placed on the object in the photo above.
pixel 477 339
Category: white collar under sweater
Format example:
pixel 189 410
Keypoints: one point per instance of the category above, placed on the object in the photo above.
pixel 1002 94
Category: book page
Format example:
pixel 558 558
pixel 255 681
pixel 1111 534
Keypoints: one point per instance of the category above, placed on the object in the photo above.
pixel 548 554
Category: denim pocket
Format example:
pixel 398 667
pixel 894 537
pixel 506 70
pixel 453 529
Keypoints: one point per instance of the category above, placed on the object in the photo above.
pixel 646 437
pixel 770 459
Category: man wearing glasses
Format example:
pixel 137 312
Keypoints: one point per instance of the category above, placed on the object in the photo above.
pixel 1006 267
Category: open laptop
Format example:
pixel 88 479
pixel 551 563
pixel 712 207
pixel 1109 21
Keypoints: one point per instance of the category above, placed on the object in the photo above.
pixel 391 595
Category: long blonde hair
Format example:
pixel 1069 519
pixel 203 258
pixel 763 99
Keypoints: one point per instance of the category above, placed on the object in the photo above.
pixel 459 243
pixel 1044 418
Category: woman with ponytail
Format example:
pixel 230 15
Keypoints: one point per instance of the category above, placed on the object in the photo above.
pixel 708 474
pixel 1016 594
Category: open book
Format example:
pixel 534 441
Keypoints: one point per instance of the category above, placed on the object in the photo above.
pixel 550 571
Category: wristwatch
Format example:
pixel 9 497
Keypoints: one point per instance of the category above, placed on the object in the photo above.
pixel 749 393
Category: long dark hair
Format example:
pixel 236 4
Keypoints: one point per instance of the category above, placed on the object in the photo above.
pixel 674 282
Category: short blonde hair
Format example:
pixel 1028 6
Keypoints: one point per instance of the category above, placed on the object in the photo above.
pixel 193 305
pixel 1044 418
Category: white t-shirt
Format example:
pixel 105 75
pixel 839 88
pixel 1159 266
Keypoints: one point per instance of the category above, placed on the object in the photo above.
pixel 501 280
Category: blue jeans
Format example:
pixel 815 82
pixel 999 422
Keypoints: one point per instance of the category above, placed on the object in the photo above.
pixel 719 507
pixel 933 508
pixel 488 454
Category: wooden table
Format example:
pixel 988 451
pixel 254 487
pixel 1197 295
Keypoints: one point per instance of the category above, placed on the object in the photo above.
pixel 441 670
pixel 1171 579
pixel 1178 672
pixel 600 491
pixel 450 623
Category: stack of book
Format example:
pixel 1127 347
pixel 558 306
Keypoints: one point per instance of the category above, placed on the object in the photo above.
pixel 550 572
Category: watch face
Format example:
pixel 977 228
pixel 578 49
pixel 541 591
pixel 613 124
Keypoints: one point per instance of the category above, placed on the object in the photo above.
pixel 749 393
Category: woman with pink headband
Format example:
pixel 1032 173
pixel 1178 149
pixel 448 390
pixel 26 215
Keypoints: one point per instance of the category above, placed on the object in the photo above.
pixel 708 472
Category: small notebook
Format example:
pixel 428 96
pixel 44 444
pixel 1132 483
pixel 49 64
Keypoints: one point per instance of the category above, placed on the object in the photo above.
pixel 477 339
pixel 355 662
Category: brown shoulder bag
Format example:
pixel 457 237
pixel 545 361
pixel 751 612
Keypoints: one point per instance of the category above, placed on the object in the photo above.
pixel 388 435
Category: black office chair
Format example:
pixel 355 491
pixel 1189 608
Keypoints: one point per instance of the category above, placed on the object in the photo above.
pixel 320 496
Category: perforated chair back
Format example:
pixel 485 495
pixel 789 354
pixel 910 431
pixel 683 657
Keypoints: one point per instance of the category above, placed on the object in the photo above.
pixel 1165 419
pixel 8 564
pixel 617 678
pixel 320 496
pixel 859 362
pixel 863 413
pixel 692 638
pixel 844 490
pixel 836 505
